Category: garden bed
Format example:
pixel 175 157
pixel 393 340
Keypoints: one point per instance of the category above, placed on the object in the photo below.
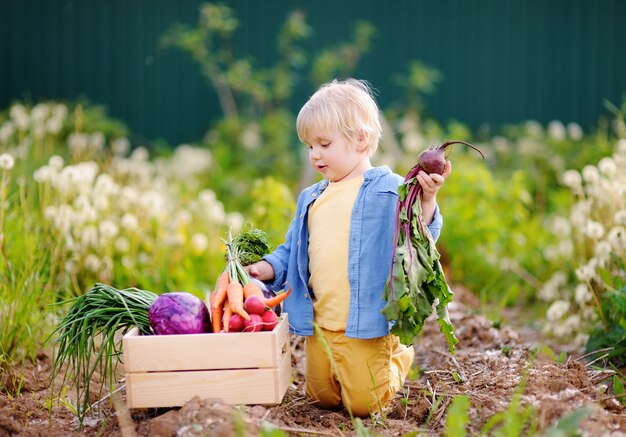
pixel 488 367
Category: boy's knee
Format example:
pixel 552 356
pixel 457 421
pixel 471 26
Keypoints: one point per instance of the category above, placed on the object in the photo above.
pixel 360 409
pixel 324 398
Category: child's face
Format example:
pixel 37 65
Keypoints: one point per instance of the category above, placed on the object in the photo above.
pixel 337 158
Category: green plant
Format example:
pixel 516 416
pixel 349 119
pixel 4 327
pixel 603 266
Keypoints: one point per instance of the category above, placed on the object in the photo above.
pixel 457 418
pixel 256 135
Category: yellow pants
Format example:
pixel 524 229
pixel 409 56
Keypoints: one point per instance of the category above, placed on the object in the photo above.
pixel 366 373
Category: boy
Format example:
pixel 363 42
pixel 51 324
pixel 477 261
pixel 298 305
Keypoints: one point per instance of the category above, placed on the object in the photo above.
pixel 337 253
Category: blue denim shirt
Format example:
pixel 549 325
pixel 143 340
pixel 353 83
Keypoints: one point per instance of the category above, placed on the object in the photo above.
pixel 369 258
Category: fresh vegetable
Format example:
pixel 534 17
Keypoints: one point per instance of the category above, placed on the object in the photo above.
pixel 86 341
pixel 235 299
pixel 179 312
pixel 228 313
pixel 254 305
pixel 270 320
pixel 220 289
pixel 266 293
pixel 236 323
pixel 433 160
pixel 416 280
pixel 252 288
pixel 217 312
pixel 273 301
pixel 251 244
pixel 254 324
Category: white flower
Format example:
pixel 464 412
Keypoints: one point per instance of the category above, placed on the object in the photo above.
pixel 572 179
pixel 59 111
pixel 556 130
pixel 77 142
pixel 140 154
pixel 590 174
pixel 534 128
pixel 108 229
pixel 40 112
pixel 621 147
pixel 593 229
pixel 199 242
pixel 251 137
pixel 19 116
pixel 92 263
pixel 121 146
pixel 557 310
pixel 550 289
pixel 586 272
pixel 607 166
pixel 129 222
pixel 6 161
pixel 207 197
pixel 122 245
pixel 89 236
pixel 574 131
pixel 560 227
pixel 582 295
pixel 96 141
pixel 235 221
pixel 602 250
pixel 6 131
pixel 56 162
pixel 413 141
pixel 620 217
pixel 617 238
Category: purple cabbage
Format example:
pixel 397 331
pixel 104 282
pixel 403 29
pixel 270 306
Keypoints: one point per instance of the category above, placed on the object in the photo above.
pixel 179 312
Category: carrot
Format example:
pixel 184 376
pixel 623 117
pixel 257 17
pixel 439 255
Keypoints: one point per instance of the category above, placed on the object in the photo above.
pixel 273 301
pixel 235 297
pixel 220 290
pixel 216 313
pixel 251 289
pixel 227 313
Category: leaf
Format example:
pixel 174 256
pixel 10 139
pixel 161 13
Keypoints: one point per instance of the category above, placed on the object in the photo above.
pixel 457 418
pixel 569 424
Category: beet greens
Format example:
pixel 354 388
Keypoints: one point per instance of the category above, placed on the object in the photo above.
pixel 417 281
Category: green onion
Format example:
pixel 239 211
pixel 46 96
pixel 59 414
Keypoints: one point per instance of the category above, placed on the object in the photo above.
pixel 85 337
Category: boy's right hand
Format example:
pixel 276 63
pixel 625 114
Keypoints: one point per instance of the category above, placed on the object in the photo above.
pixel 262 270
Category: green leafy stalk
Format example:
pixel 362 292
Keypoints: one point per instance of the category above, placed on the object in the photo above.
pixel 86 340
pixel 417 281
pixel 246 248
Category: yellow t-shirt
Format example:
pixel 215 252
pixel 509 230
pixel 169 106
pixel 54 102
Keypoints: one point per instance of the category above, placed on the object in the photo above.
pixel 329 233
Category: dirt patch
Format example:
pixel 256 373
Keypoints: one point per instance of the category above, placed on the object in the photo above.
pixel 490 366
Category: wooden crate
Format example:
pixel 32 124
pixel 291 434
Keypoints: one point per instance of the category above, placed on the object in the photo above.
pixel 238 368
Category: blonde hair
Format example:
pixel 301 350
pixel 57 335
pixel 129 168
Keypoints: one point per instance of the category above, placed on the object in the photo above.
pixel 343 106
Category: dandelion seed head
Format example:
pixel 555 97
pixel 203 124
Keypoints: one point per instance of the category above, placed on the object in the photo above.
pixel 557 310
pixel 556 130
pixel 582 295
pixel 574 131
pixel 572 179
pixel 6 161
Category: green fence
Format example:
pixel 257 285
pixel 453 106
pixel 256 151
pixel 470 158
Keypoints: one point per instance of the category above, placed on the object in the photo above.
pixel 501 61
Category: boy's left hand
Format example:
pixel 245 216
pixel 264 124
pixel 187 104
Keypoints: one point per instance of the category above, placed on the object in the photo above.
pixel 432 182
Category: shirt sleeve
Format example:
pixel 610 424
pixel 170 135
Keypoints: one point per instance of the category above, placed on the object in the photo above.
pixel 435 226
pixel 279 259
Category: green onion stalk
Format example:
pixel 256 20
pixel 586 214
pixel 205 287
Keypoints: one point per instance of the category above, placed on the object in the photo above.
pixel 85 338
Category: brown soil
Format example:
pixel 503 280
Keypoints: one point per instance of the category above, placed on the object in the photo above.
pixel 490 366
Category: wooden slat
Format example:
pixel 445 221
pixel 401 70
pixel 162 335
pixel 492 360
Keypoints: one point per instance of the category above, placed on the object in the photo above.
pixel 235 386
pixel 157 353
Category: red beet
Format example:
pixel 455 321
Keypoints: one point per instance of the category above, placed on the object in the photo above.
pixel 270 320
pixel 254 305
pixel 434 160
pixel 236 323
pixel 255 324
